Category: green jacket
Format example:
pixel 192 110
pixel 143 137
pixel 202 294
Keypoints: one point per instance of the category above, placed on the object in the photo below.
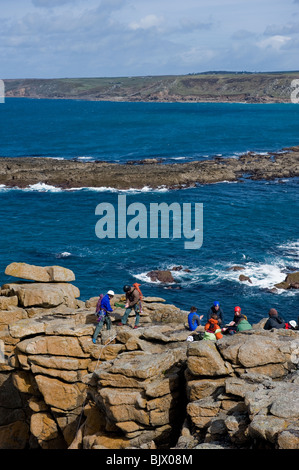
pixel 209 336
pixel 244 325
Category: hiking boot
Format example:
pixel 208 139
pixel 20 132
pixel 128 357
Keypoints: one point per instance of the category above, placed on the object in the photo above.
pixel 120 324
pixel 136 326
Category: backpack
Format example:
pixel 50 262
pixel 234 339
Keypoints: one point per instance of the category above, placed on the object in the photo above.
pixel 98 307
pixel 136 285
pixel 198 336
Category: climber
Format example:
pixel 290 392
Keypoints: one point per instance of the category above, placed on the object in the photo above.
pixel 235 325
pixel 212 328
pixel 132 302
pixel 102 311
pixel 218 310
pixel 194 320
pixel 274 320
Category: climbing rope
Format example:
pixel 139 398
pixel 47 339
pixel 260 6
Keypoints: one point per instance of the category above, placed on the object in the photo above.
pixel 110 340
pixel 85 399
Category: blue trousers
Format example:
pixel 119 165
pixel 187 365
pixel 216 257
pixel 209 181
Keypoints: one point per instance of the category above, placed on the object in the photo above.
pixel 136 308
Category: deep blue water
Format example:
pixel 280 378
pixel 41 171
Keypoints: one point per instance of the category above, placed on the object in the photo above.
pixel 253 224
pixel 129 131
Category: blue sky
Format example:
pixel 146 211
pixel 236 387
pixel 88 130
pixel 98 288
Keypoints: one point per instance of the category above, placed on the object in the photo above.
pixel 108 38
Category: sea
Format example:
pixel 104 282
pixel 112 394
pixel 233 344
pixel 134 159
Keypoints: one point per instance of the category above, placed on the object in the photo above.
pixel 252 224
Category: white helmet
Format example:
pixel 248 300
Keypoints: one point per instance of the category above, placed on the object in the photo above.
pixel 110 292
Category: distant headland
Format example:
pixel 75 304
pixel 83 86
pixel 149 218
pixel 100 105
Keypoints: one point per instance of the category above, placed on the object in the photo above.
pixel 230 87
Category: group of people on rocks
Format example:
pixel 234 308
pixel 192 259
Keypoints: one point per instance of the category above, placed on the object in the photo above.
pixel 213 329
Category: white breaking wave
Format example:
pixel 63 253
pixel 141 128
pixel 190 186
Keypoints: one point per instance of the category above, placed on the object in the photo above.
pixel 40 187
pixel 64 254
pixel 290 252
pixel 263 275
pixel 84 158
pixel 291 247
pixel 43 187
pixel 100 189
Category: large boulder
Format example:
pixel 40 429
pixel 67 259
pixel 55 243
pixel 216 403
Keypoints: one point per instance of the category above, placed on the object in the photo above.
pixel 40 273
pixel 59 394
pixel 291 282
pixel 205 360
pixel 52 345
pixel 251 350
pixel 36 294
pixel 161 276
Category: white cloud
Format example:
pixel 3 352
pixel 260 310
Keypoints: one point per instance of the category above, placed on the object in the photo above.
pixel 136 37
pixel 147 22
pixel 274 42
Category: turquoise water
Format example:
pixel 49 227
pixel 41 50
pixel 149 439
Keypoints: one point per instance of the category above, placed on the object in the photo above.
pixel 253 224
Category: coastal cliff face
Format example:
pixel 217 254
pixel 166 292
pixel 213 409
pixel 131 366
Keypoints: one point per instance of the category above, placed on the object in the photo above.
pixel 136 388
pixel 208 87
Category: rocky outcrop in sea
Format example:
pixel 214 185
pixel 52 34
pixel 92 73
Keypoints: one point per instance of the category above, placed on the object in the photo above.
pixel 136 388
pixel 22 172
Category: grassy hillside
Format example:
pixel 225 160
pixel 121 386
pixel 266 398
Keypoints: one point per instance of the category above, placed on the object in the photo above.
pixel 210 87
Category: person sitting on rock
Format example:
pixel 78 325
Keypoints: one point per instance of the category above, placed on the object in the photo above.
pixel 274 320
pixel 194 320
pixel 212 329
pixel 218 310
pixel 103 310
pixel 132 302
pixel 234 325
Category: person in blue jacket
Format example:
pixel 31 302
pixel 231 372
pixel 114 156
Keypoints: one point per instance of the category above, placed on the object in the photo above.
pixel 194 320
pixel 103 311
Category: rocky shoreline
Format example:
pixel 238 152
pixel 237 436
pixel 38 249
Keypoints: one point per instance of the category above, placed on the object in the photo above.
pixel 148 388
pixel 22 172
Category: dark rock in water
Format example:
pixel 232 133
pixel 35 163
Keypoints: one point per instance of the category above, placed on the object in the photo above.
pixel 162 276
pixel 180 268
pixel 272 291
pixel 243 278
pixel 290 281
pixel 177 268
pixel 236 268
pixel 24 171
